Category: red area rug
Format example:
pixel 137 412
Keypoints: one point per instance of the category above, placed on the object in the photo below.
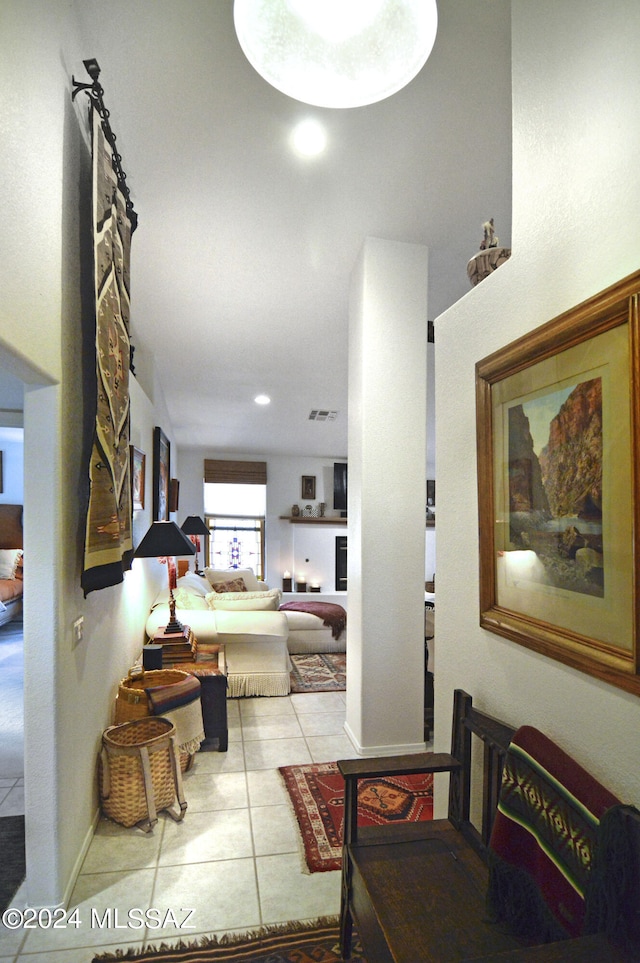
pixel 316 791
pixel 324 672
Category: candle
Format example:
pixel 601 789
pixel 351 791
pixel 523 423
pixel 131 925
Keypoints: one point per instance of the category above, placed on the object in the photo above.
pixel 286 582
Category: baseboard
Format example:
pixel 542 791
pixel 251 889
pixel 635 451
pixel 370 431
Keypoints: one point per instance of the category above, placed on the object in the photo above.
pixel 77 866
pixel 399 750
pixel 75 872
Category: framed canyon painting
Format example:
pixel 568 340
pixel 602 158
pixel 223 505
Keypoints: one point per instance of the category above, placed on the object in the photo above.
pixel 558 431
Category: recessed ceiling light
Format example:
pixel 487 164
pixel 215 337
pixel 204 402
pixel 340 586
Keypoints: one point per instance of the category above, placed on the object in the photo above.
pixel 262 400
pixel 309 137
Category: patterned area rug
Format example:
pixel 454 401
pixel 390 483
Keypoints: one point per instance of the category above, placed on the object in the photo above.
pixel 316 791
pixel 290 943
pixel 325 672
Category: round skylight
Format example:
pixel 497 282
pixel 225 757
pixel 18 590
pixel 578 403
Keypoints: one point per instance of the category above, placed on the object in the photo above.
pixel 337 53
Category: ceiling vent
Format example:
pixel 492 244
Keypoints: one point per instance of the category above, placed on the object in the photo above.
pixel 322 414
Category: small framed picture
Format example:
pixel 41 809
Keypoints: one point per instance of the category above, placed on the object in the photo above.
pixel 161 469
pixel 138 464
pixel 308 486
pixel 174 494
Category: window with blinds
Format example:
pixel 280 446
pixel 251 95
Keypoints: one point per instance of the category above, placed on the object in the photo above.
pixel 224 472
pixel 235 495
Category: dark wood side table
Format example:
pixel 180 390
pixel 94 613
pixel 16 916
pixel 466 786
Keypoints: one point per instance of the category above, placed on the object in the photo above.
pixel 211 670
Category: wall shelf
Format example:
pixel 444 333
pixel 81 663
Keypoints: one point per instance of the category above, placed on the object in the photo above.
pixel 324 520
pixel 310 520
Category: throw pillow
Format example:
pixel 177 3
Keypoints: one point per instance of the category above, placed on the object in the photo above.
pixel 10 558
pixel 188 600
pixel 214 575
pixel 233 585
pixel 260 601
pixel 194 583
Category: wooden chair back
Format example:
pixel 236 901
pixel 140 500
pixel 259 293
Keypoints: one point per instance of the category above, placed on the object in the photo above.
pixel 495 737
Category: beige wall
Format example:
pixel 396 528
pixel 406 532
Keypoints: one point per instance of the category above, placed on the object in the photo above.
pixel 576 208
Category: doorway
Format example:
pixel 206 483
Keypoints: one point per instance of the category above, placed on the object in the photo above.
pixel 40 501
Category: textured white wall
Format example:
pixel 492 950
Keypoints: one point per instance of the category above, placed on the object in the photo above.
pixel 387 488
pixel 576 209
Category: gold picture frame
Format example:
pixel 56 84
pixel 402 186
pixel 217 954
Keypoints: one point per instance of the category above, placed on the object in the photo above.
pixel 557 519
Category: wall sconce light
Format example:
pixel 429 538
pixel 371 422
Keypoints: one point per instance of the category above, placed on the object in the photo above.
pixel 194 527
pixel 337 53
pixel 163 541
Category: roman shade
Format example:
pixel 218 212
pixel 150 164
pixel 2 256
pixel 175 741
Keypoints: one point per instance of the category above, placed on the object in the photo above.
pixel 222 472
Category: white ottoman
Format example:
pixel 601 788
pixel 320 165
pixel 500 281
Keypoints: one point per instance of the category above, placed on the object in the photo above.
pixel 256 652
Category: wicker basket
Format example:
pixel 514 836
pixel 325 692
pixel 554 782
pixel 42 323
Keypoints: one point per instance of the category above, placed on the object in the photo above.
pixel 132 701
pixel 139 773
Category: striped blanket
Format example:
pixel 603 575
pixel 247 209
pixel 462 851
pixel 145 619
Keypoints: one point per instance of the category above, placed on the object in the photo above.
pixel 548 876
pixel 180 703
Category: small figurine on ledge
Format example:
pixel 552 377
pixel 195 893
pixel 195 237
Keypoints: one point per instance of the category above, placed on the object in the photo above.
pixel 489 257
pixel 490 237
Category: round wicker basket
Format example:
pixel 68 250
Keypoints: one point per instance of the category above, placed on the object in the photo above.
pixel 132 701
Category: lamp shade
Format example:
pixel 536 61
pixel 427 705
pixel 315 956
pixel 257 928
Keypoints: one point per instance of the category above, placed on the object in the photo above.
pixel 336 53
pixel 164 538
pixel 193 525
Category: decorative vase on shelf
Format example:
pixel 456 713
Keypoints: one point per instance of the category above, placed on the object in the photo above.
pixel 295 511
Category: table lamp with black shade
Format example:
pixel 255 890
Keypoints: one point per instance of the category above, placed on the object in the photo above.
pixel 194 527
pixel 164 540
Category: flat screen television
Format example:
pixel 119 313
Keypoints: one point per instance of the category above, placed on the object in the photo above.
pixel 340 487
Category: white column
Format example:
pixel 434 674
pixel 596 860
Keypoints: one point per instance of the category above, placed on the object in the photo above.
pixel 387 497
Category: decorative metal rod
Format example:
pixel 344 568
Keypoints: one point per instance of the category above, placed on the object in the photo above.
pixel 95 92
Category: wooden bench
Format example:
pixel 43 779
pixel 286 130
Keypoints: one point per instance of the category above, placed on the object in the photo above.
pixel 416 892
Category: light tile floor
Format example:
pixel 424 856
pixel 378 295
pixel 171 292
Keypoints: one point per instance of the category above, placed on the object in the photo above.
pixel 235 860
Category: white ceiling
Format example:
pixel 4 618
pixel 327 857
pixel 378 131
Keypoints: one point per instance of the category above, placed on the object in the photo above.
pixel 243 253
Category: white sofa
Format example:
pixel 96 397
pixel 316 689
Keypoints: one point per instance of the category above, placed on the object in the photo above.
pixel 258 638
